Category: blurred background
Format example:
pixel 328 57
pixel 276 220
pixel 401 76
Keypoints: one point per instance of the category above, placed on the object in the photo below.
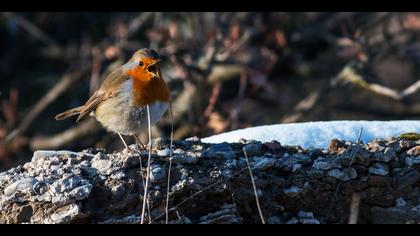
pixel 225 71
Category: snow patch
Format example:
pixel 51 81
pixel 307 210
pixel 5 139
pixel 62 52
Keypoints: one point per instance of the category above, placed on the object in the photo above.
pixel 319 134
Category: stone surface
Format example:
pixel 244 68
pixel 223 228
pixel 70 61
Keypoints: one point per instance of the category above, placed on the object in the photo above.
pixel 343 174
pixel 415 151
pixel 210 183
pixel 379 169
pixel 222 150
pixel 253 149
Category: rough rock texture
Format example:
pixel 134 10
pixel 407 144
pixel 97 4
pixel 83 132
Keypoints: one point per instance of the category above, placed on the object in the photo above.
pixel 211 184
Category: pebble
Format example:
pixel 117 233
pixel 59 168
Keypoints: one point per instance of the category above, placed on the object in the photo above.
pixel 293 221
pixel 215 174
pixel 253 149
pixel 221 150
pixel 157 173
pixel 164 153
pixel 379 169
pixel 323 164
pixel 386 156
pixel 293 192
pixel 118 175
pixel 103 166
pixel 296 167
pixel 310 221
pixel 65 214
pixel 231 164
pixel 335 146
pixel 66 183
pixel 406 144
pixel 89 172
pixel 307 218
pixel 273 220
pixel 400 202
pixel 343 175
pixel 273 147
pixel 81 192
pixel 306 215
pixel 61 200
pixel 186 158
pixel 412 160
pixel 408 179
pixel 264 163
pixel 56 156
pixel 20 186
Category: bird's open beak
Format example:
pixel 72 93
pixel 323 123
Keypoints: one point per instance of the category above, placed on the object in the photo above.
pixel 153 68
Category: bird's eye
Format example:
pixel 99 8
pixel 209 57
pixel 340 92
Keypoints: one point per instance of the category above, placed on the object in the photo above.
pixel 140 63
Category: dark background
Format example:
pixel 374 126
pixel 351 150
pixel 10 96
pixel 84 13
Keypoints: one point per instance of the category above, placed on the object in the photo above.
pixel 225 71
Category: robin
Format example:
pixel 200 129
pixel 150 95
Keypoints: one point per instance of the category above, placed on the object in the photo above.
pixel 120 104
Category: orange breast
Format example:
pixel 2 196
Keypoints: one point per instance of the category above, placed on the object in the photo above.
pixel 147 89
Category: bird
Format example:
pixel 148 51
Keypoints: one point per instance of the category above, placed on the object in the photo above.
pixel 120 103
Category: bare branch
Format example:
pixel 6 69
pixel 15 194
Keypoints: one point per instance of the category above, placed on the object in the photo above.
pixel 43 103
pixel 59 140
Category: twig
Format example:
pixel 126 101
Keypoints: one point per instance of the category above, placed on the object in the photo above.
pixel 170 165
pixel 149 159
pixel 224 72
pixel 306 104
pixel 213 99
pixel 411 89
pixel 141 165
pixel 138 22
pixel 179 217
pixel 357 147
pixel 85 128
pixel 140 144
pixel 354 208
pixel 349 75
pixel 43 103
pixel 31 28
pixel 199 192
pixel 254 187
pixel 182 104
pixel 355 201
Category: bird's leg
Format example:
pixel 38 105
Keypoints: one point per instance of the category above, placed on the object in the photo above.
pixel 139 143
pixel 125 144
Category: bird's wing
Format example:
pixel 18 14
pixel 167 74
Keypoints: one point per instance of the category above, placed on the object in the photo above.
pixel 108 89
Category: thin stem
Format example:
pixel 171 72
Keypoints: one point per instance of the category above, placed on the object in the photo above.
pixel 149 158
pixel 170 165
pixel 122 139
pixel 199 192
pixel 255 188
pixel 141 171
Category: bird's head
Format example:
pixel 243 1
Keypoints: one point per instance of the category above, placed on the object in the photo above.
pixel 148 85
pixel 144 64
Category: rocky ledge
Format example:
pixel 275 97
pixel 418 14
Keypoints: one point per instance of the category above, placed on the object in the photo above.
pixel 210 183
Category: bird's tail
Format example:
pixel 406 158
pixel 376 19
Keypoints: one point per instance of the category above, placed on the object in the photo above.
pixel 68 113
